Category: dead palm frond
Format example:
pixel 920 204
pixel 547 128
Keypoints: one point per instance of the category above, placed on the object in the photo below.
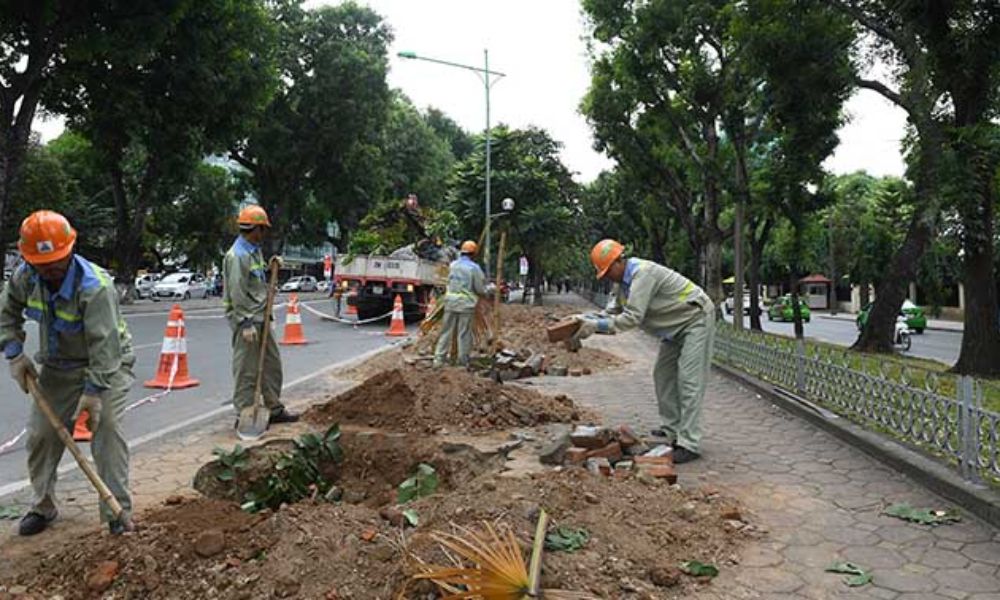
pixel 497 572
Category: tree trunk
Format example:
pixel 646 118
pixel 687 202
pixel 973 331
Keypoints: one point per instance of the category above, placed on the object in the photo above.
pixel 713 236
pixel 536 276
pixel 757 243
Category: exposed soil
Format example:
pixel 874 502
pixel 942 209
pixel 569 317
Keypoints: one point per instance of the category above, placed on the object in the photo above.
pixel 639 532
pixel 522 328
pixel 411 398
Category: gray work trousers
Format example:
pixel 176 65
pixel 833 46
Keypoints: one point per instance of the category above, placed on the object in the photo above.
pixel 63 388
pixel 245 358
pixel 454 323
pixel 680 375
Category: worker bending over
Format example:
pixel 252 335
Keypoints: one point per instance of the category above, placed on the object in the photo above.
pixel 671 307
pixel 85 353
pixel 466 284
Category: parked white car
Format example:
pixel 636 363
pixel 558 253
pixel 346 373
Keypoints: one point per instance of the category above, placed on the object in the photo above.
pixel 144 284
pixel 746 304
pixel 302 283
pixel 181 286
pixel 323 286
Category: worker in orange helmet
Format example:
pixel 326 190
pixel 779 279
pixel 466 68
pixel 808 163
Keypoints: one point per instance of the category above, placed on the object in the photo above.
pixel 86 358
pixel 244 296
pixel 671 307
pixel 466 284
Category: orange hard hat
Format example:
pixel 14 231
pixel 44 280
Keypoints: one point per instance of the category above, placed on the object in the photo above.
pixel 46 237
pixel 604 254
pixel 252 216
pixel 469 247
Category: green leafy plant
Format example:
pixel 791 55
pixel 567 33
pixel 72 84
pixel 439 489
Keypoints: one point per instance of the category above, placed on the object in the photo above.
pixel 566 539
pixel 424 482
pixel 231 461
pixel 856 576
pixel 9 512
pixel 924 516
pixel 297 474
pixel 699 569
pixel 412 518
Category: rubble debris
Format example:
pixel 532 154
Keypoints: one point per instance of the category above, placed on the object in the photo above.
pixel 591 437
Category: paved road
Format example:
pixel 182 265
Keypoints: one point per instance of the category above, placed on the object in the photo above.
pixel 209 355
pixel 942 346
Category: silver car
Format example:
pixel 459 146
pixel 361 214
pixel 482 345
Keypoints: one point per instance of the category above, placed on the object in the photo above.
pixel 181 286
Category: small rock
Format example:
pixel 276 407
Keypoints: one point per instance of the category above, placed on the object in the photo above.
pixel 732 526
pixel 489 486
pixel 555 452
pixel 232 562
pixel 686 511
pixel 393 515
pixel 103 575
pixel 731 514
pixel 353 496
pixel 210 543
pixel 575 372
pixel 586 371
pixel 174 500
pixel 286 586
pixel 591 498
pixel 558 371
pixel 17 590
pixel 383 553
pixel 368 534
pixel 665 576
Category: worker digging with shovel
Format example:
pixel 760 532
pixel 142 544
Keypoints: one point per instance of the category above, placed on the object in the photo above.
pixel 680 314
pixel 247 296
pixel 85 353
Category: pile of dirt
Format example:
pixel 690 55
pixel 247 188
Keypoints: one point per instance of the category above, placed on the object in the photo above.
pixel 205 548
pixel 523 328
pixel 412 399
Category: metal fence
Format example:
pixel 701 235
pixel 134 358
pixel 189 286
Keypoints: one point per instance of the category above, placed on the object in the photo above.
pixel 941 413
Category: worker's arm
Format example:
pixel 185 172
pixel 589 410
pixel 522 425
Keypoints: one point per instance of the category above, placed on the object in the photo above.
pixel 641 292
pixel 100 326
pixel 236 275
pixel 13 300
pixel 478 282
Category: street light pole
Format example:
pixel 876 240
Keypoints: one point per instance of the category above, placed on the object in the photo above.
pixel 489 78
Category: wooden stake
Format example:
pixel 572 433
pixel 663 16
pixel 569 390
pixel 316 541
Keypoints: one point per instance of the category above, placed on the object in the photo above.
pixel 535 566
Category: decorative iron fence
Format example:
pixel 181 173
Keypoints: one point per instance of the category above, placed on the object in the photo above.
pixel 941 413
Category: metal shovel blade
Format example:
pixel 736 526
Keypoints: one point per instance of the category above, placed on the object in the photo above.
pixel 253 421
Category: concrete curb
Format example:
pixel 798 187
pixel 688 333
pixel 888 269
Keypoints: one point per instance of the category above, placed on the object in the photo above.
pixel 981 501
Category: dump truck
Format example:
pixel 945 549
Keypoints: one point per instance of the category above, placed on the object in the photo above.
pixel 376 281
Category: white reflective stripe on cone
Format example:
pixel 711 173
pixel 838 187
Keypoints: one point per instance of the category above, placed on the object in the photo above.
pixel 293 319
pixel 174 346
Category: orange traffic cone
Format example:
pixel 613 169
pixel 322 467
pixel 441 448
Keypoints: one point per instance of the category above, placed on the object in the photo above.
pixel 352 310
pixel 293 324
pixel 172 372
pixel 80 431
pixel 397 327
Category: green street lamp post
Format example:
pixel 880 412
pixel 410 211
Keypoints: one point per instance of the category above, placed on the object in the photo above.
pixel 488 78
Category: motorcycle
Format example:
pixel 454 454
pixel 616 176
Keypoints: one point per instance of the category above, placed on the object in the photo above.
pixel 903 336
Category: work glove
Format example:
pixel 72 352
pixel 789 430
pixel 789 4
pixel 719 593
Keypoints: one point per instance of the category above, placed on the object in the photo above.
pixel 92 404
pixel 249 333
pixel 587 328
pixel 276 259
pixel 21 367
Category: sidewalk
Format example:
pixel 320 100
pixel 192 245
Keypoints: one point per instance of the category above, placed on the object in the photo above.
pixel 820 500
pixel 932 324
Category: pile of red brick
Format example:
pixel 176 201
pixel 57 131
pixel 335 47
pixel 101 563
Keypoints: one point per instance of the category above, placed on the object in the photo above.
pixel 619 453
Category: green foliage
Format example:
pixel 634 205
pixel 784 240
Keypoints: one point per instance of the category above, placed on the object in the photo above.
pixel 856 575
pixel 10 512
pixel 422 483
pixel 924 516
pixel 418 159
pixel 699 569
pixel 525 167
pixel 297 474
pixel 458 139
pixel 232 462
pixel 566 539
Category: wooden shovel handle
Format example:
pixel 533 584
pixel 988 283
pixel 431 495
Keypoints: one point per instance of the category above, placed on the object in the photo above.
pixel 102 489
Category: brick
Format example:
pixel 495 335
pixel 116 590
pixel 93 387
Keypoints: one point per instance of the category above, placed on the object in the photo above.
pixel 665 472
pixel 627 437
pixel 576 456
pixel 590 437
pixel 563 330
pixel 612 452
pixel 575 372
pixel 624 469
pixel 654 461
pixel 103 575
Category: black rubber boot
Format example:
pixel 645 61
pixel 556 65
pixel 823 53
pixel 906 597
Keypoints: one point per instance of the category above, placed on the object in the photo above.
pixel 283 416
pixel 683 455
pixel 33 524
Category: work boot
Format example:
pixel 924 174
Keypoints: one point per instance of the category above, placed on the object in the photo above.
pixel 683 455
pixel 663 436
pixel 119 527
pixel 33 523
pixel 283 416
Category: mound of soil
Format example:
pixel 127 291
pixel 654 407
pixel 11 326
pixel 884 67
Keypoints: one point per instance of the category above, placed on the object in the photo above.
pixel 374 465
pixel 411 399
pixel 206 548
pixel 522 327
